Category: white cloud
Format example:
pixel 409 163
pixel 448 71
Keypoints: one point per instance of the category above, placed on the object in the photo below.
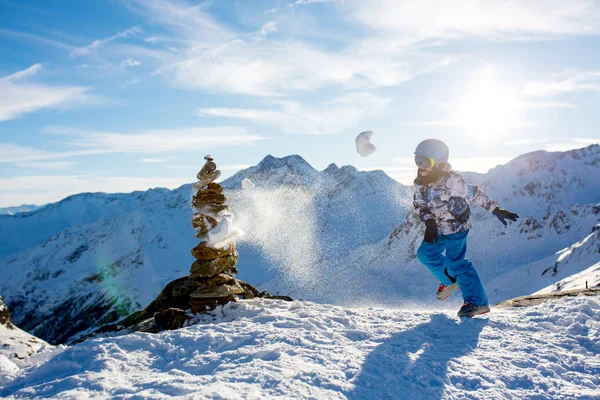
pixel 19 99
pixel 547 104
pixel 191 21
pixel 302 2
pixel 296 118
pixel 495 19
pixel 153 160
pixel 20 155
pixel 130 62
pixel 96 44
pixel 566 82
pixel 47 188
pixel 153 40
pixel 149 142
pixel 167 140
pixel 23 75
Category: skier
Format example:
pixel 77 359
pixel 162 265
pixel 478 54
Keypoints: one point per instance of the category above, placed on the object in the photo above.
pixel 442 200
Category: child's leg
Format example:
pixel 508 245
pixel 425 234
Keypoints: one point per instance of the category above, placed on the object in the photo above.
pixel 464 271
pixel 430 255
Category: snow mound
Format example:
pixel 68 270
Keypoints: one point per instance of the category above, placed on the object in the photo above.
pixel 266 349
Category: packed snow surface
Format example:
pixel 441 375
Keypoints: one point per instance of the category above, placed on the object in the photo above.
pixel 259 349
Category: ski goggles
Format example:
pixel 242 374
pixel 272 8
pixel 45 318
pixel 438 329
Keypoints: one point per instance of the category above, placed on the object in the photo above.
pixel 424 162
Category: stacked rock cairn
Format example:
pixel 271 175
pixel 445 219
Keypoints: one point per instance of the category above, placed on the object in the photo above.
pixel 214 270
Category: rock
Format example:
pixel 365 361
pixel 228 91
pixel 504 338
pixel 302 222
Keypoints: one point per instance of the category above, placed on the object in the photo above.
pixel 202 224
pixel 251 292
pixel 202 305
pixel 206 269
pixel 212 209
pixel 204 252
pixel 171 318
pixel 215 187
pixel 206 292
pixel 5 318
pixel 208 168
pixel 174 295
pixel 204 197
pixel 217 280
pixel 210 178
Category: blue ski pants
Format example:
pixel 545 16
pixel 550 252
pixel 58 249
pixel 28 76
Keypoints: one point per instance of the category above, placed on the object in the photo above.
pixel 454 266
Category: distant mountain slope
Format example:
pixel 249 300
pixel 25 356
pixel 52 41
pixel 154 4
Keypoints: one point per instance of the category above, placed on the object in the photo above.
pixel 18 209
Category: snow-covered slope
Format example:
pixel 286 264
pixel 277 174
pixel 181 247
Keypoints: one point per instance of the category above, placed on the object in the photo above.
pixel 262 349
pixel 93 258
pixel 15 345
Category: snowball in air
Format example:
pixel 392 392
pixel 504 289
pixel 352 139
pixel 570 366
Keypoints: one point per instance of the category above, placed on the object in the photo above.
pixel 363 145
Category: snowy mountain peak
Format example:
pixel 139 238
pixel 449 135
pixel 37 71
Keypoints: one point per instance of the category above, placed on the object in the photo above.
pixel 294 162
pixel 331 168
pixel 545 161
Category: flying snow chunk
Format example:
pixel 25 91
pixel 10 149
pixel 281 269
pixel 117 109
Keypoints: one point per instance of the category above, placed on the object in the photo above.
pixel 247 184
pixel 223 232
pixel 363 145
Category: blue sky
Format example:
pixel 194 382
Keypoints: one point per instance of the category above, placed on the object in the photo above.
pixel 123 95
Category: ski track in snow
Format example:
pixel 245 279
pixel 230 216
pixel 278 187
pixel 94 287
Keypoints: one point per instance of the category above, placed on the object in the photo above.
pixel 259 349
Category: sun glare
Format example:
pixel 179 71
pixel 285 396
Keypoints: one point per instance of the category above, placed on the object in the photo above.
pixel 489 107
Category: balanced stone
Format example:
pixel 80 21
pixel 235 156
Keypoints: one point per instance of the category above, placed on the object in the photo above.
pixel 212 210
pixel 215 187
pixel 204 252
pixel 204 197
pixel 206 269
pixel 217 291
pixel 219 279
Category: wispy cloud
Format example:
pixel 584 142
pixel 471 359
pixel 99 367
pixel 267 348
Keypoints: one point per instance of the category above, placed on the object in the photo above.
pixel 96 44
pixel 17 98
pixel 262 64
pixel 297 118
pixel 494 19
pixel 153 160
pixel 82 143
pixel 30 37
pixel 167 140
pixel 190 21
pixel 566 82
pixel 23 75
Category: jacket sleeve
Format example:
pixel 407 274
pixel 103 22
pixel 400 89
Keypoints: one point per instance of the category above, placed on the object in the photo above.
pixel 420 204
pixel 460 187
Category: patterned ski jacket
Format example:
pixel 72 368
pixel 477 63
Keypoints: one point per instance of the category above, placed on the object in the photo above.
pixel 447 201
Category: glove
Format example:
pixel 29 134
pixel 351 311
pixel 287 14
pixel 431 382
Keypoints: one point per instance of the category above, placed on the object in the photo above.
pixel 431 231
pixel 502 215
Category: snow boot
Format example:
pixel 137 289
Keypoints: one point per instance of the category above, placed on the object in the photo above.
pixel 470 310
pixel 445 291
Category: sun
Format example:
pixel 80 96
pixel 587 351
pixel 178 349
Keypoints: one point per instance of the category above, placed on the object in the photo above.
pixel 489 107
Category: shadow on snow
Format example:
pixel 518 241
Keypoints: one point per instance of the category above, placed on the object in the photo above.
pixel 413 364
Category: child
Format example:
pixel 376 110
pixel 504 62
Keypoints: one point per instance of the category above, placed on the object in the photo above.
pixel 442 200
